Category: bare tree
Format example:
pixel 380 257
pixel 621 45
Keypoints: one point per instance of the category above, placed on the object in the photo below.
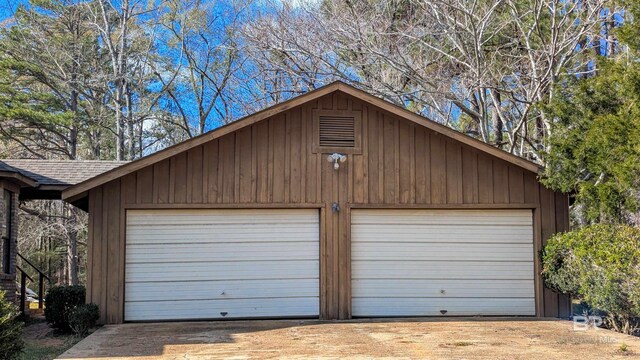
pixel 481 66
pixel 128 41
pixel 286 50
pixel 53 237
pixel 205 55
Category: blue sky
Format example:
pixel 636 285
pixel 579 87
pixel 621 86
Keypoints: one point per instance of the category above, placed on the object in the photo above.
pixel 7 7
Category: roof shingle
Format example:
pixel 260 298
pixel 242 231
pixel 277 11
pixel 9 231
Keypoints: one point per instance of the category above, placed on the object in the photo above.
pixel 58 172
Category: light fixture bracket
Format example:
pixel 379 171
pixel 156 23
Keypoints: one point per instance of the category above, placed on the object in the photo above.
pixel 336 159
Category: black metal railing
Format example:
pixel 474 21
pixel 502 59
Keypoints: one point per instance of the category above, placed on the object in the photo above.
pixel 23 284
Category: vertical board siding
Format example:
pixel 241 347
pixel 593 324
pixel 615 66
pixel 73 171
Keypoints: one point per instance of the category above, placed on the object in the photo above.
pixel 485 179
pixel 562 225
pixel 112 242
pixel 273 162
pixel 278 142
pixel 405 156
pixel 294 135
pixel 194 173
pixel 438 169
pixel 179 174
pixel 500 182
pixel 227 170
pixel 390 172
pixel 454 172
pixel 516 185
pixel 210 171
pixel 145 186
pixel 244 160
pixel 161 175
pixel 469 176
pixel 373 158
pixel 94 258
pixel 548 229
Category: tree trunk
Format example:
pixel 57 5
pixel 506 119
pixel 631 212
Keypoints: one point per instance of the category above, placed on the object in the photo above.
pixel 611 38
pixel 95 149
pixel 119 122
pixel 73 132
pixel 131 148
pixel 497 124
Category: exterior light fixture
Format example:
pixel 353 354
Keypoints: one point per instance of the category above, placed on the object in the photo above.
pixel 336 159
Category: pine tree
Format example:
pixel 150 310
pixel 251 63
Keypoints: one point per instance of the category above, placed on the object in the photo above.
pixel 595 147
pixel 11 342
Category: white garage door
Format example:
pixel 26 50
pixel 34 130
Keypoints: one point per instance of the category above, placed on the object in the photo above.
pixel 434 262
pixel 207 264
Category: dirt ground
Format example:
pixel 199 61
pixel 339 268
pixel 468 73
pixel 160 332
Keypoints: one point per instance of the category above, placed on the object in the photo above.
pixel 364 339
pixel 43 343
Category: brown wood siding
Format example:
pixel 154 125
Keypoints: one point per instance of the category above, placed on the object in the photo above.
pixel 272 163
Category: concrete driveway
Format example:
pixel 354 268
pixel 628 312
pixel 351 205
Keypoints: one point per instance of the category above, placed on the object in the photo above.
pixel 496 338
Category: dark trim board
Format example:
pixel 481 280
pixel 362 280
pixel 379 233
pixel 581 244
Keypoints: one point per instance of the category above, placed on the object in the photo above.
pixel 221 206
pixel 447 206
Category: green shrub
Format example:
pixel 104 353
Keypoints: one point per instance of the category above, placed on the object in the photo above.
pixel 83 318
pixel 60 302
pixel 600 265
pixel 11 343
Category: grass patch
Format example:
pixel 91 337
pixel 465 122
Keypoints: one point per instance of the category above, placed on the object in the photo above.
pixel 624 347
pixel 39 350
pixel 44 343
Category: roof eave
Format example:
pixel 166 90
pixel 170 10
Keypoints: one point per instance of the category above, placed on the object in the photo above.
pixel 20 179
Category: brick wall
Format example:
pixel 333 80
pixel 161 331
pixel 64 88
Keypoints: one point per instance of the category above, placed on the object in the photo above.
pixel 8 281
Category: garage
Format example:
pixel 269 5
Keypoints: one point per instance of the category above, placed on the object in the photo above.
pixel 442 262
pixel 332 205
pixel 211 264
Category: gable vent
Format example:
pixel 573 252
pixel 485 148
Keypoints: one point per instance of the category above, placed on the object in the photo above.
pixel 337 131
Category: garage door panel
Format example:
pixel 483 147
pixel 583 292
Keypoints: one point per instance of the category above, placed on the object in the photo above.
pixel 419 262
pixel 206 264
pixel 227 234
pixel 447 233
pixel 221 309
pixel 251 251
pixel 442 270
pixel 433 306
pixel 211 271
pixel 403 251
pixel 225 290
pixel 444 217
pixel 411 288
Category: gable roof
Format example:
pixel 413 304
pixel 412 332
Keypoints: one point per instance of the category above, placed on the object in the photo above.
pixel 77 191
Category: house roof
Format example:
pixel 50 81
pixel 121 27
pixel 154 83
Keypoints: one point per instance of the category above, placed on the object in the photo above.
pixel 9 172
pixel 46 179
pixel 58 172
pixel 78 191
